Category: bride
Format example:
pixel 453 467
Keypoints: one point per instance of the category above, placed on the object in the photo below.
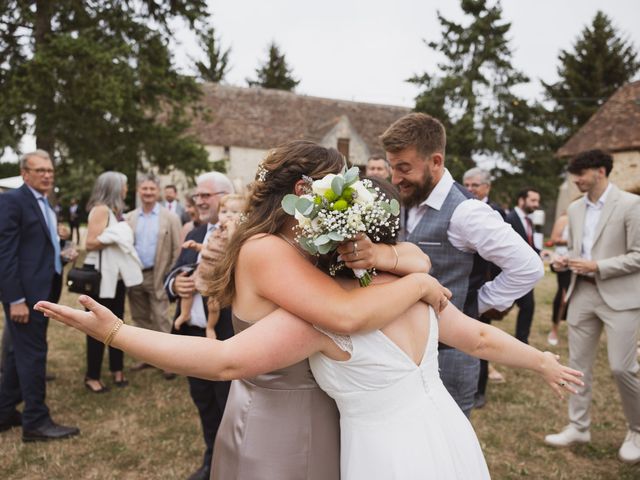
pixel 396 418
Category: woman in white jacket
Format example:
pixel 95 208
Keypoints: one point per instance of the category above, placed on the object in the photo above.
pixel 111 251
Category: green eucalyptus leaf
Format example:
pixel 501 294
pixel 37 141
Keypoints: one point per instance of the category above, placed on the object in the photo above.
pixel 337 185
pixel 304 206
pixel 335 236
pixel 289 203
pixel 308 245
pixel 325 248
pixel 352 176
pixel 322 240
pixel 395 207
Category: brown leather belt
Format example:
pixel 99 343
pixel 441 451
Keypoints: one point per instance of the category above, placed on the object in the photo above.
pixel 590 280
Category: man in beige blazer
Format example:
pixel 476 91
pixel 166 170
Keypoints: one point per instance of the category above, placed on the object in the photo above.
pixel 604 257
pixel 157 241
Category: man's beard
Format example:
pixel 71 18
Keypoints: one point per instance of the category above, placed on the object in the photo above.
pixel 417 195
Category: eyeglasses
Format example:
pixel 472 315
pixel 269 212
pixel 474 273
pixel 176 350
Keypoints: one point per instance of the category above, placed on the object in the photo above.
pixel 206 196
pixel 41 171
pixel 474 185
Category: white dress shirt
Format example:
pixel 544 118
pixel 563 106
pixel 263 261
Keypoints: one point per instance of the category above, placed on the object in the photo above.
pixel 591 219
pixel 198 312
pixel 476 227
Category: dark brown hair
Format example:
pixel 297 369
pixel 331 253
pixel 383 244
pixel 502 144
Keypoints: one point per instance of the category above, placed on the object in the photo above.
pixel 591 159
pixel 418 130
pixel 280 171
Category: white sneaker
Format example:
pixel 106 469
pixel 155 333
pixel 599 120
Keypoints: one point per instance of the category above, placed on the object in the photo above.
pixel 569 436
pixel 552 339
pixel 630 450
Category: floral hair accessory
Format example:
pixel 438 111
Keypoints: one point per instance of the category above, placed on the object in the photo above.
pixel 262 173
pixel 338 208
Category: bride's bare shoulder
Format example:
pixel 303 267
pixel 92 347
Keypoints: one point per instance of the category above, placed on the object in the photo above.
pixel 264 246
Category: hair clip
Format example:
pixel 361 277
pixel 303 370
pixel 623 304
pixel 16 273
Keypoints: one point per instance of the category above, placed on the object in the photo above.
pixel 262 173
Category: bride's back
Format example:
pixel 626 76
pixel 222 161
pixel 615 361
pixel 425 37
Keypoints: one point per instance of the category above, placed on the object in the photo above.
pixel 410 330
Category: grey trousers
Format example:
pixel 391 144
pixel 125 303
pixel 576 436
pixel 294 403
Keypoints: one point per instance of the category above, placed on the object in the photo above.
pixel 460 373
pixel 146 310
pixel 586 317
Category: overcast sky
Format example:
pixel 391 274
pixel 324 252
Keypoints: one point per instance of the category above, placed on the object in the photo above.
pixel 365 50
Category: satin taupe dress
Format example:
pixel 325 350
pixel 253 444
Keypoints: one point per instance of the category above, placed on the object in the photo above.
pixel 278 426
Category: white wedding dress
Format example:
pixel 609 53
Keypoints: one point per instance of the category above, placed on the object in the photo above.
pixel 397 420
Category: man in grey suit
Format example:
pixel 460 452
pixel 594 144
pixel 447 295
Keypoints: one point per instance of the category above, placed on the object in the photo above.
pixel 172 204
pixel 456 231
pixel 604 257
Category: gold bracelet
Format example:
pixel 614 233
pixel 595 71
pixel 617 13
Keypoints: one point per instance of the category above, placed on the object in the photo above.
pixel 397 257
pixel 113 332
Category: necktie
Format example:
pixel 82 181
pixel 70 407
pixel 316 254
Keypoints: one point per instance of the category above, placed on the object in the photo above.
pixel 51 223
pixel 529 230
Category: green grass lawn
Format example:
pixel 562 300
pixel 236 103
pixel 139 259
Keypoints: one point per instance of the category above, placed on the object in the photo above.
pixel 151 430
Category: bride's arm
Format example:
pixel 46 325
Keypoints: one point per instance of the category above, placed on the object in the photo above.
pixel 490 343
pixel 277 341
pixel 280 274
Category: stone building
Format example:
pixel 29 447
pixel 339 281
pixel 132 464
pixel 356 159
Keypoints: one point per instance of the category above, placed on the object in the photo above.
pixel 242 124
pixel 615 127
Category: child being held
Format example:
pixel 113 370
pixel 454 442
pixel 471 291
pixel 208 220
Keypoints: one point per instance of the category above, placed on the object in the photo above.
pixel 229 210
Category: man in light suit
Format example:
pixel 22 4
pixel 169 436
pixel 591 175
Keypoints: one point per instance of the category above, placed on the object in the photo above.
pixel 528 201
pixel 604 257
pixel 209 397
pixel 30 271
pixel 157 241
pixel 172 204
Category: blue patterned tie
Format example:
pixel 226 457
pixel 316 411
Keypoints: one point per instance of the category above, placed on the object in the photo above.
pixel 51 223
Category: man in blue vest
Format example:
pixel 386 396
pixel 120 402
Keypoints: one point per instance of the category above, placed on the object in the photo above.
pixel 456 231
pixel 30 271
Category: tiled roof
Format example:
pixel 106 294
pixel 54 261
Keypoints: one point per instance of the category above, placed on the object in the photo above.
pixel 263 118
pixel 614 127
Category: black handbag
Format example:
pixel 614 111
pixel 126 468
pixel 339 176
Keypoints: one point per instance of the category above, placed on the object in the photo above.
pixel 85 280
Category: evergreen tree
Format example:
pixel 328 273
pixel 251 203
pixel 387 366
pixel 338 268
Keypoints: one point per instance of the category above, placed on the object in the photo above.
pixel 601 62
pixel 473 95
pixel 217 64
pixel 274 73
pixel 97 81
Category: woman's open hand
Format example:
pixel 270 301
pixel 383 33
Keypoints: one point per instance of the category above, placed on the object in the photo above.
pixel 97 322
pixel 560 378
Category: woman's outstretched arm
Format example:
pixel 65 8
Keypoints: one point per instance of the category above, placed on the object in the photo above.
pixel 280 274
pixel 277 341
pixel 490 343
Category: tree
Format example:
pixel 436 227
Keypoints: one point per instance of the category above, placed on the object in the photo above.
pixel 274 73
pixel 473 95
pixel 97 82
pixel 600 63
pixel 217 63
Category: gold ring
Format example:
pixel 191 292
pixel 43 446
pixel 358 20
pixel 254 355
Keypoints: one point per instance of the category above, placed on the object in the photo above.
pixel 355 248
pixel 562 384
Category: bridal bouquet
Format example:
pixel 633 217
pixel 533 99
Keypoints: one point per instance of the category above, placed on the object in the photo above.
pixel 338 207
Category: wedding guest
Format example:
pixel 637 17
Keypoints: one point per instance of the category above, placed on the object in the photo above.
pixel 478 182
pixel 74 220
pixel 528 201
pixel 30 270
pixel 230 208
pixel 172 204
pixel 156 239
pixel 209 397
pixel 111 251
pixel 456 231
pixel 378 166
pixel 192 212
pixel 559 239
pixel 604 259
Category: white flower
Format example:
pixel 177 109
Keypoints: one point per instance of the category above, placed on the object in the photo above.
pixel 363 196
pixel 319 187
pixel 302 220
